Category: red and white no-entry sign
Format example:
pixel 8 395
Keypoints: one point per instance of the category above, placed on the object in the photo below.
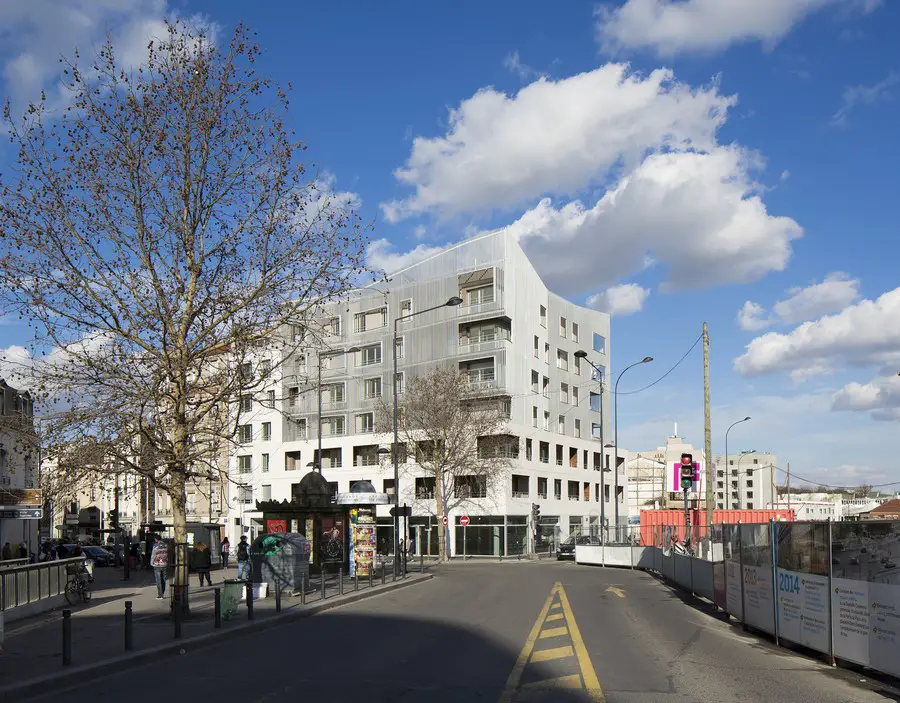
pixel 464 521
pixel 444 520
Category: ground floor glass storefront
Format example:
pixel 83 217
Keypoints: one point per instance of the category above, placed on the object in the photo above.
pixel 492 536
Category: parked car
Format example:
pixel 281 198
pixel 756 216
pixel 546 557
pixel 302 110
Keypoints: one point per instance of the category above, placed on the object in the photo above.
pixel 567 548
pixel 99 555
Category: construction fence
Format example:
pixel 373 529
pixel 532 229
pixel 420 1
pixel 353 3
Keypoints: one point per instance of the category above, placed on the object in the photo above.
pixel 831 587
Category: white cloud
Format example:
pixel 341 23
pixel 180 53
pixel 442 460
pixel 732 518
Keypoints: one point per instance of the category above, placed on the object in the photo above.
pixel 865 333
pixel 698 214
pixel 752 317
pixel 880 397
pixel 864 95
pixel 670 26
pixel 554 137
pixel 513 63
pixel 624 299
pixel 833 294
pixel 381 256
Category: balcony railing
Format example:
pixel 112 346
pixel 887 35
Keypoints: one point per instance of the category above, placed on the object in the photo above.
pixel 334 404
pixel 366 461
pixel 482 345
pixel 542 494
pixel 520 494
pixel 480 308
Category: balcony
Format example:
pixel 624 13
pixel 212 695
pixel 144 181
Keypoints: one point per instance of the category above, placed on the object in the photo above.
pixel 485 345
pixel 334 405
pixel 520 494
pixel 492 306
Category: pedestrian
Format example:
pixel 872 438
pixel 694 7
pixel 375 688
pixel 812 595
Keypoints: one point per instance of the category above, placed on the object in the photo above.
pixel 159 560
pixel 226 550
pixel 243 559
pixel 202 562
pixel 23 551
pixel 6 554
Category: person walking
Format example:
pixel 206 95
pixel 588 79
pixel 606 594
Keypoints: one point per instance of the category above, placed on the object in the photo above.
pixel 6 554
pixel 202 562
pixel 226 551
pixel 159 560
pixel 243 559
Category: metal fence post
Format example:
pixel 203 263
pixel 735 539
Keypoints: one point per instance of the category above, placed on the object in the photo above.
pixel 382 573
pixel 249 588
pixel 341 581
pixel 129 632
pixel 356 579
pixel 773 548
pixel 67 637
pixel 830 596
pixel 218 607
pixel 324 586
pixel 277 597
pixel 372 573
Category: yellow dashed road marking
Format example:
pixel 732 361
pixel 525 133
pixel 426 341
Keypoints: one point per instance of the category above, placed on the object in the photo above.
pixel 554 632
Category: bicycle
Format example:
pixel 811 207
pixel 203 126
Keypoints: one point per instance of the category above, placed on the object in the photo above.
pixel 78 585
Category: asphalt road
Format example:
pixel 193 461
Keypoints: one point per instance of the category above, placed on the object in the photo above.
pixel 495 632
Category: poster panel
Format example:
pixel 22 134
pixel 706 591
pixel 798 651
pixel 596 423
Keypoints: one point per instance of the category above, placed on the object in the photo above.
pixel 802 580
pixel 731 536
pixel 865 605
pixel 759 589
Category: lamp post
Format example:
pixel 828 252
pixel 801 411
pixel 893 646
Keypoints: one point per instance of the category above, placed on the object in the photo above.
pixel 325 355
pixel 725 472
pixel 581 354
pixel 645 360
pixel 452 302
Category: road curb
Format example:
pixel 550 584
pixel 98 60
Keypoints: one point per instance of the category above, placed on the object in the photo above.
pixel 72 677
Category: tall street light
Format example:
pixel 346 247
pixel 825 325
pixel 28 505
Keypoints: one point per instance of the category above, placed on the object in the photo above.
pixel 326 355
pixel 725 471
pixel 452 302
pixel 645 360
pixel 581 354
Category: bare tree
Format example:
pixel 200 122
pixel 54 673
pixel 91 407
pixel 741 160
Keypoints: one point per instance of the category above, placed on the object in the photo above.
pixel 456 434
pixel 165 241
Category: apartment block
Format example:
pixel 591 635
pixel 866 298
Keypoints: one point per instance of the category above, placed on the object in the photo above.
pixel 513 338
pixel 746 481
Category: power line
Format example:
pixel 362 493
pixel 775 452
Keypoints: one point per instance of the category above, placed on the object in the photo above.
pixel 677 364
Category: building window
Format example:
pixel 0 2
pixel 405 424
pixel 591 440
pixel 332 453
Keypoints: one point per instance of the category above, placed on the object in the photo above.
pixel 370 320
pixel 546 353
pixel 543 316
pixel 535 381
pixel 293 396
pixel 563 392
pixel 244 464
pixel 388 486
pixel 365 423
pixel 577 427
pixel 545 387
pixel 528 452
pixel 406 307
pixel 563 327
pixel 577 366
pixel 245 434
pixel 557 488
pixel 573 490
pixel 480 296
pixel 265 492
pixel 425 487
pixel 756 461
pixel 547 420
pixel 561 424
pixel 574 331
pixel 246 494
pixel 399 380
pixel 265 463
pixel 270 399
pixel 599 373
pixel 537 347
pixel 542 488
pixel 599 343
pixel 372 388
pixel 534 416
pixel 246 403
pixel 334 326
pixel 470 487
pixel 298 333
pixel 544 452
pixel 370 355
pixel 267 431
pixel 333 393
pixel 333 425
pixel 595 402
pixel 292 461
pixel 574 395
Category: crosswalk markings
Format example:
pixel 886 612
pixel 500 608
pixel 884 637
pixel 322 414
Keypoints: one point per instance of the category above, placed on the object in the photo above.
pixel 556 608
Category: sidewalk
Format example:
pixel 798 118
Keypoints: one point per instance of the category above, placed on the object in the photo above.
pixel 33 648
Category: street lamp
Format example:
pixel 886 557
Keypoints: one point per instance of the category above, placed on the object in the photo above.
pixel 581 354
pixel 326 355
pixel 645 360
pixel 725 472
pixel 452 302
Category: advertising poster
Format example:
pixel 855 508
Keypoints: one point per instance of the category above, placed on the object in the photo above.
pixel 759 589
pixel 362 541
pixel 731 537
pixel 865 603
pixel 309 531
pixel 276 526
pixel 802 580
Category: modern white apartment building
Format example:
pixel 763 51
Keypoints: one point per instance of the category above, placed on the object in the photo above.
pixel 511 336
pixel 746 481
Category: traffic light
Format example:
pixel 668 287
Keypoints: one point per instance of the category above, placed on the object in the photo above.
pixel 112 517
pixel 687 471
pixel 535 513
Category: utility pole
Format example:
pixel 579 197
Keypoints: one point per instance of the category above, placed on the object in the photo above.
pixel 707 436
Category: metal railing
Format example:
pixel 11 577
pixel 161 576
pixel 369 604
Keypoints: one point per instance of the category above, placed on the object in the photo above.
pixel 21 585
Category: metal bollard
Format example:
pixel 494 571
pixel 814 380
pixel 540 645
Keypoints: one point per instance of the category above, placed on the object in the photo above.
pixel 341 581
pixel 303 590
pixel 129 632
pixel 421 563
pixel 277 597
pixel 382 573
pixel 249 600
pixel 218 607
pixel 356 580
pixel 371 574
pixel 67 637
pixel 324 596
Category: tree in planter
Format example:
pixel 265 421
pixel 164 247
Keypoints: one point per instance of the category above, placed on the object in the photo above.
pixel 456 433
pixel 164 241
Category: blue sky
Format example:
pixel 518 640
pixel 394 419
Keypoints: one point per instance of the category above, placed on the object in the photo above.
pixel 672 162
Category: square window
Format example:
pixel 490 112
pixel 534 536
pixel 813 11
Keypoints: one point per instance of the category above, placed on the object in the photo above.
pixel 372 388
pixel 370 355
pixel 574 331
pixel 244 464
pixel 599 343
pixel 246 403
pixel 245 434
pixel 563 327
pixel 406 307
pixel 365 423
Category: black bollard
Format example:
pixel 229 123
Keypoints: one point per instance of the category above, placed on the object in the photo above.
pixel 324 596
pixel 303 590
pixel 382 573
pixel 67 637
pixel 371 573
pixel 218 606
pixel 249 586
pixel 422 563
pixel 341 581
pixel 129 632
pixel 356 580
pixel 277 597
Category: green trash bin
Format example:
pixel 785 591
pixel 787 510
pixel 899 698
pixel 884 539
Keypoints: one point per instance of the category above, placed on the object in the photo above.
pixel 232 592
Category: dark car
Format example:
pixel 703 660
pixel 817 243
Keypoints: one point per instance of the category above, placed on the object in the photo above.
pixel 99 555
pixel 567 548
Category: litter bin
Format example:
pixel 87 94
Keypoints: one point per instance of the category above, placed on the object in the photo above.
pixel 281 560
pixel 232 593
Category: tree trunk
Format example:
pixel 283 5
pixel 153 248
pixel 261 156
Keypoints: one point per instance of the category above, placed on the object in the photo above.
pixel 180 585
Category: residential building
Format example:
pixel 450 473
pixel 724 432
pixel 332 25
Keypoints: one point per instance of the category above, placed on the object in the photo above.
pixel 515 339
pixel 745 481
pixel 19 465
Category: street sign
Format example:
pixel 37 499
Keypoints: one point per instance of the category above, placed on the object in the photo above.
pixel 21 514
pixel 444 521
pixel 402 511
pixel 464 521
